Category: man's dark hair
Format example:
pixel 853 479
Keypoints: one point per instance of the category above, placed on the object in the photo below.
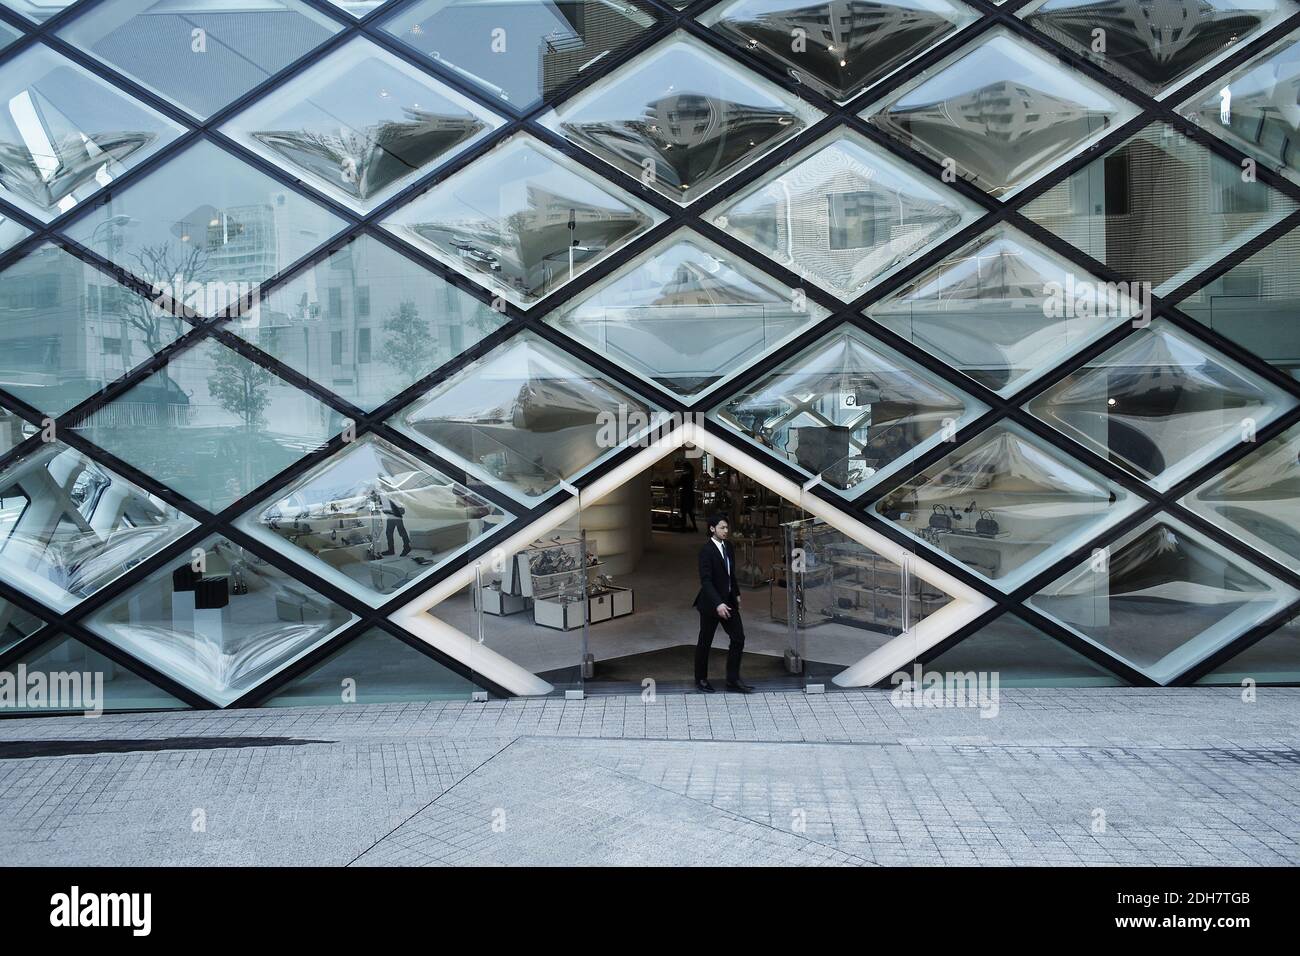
pixel 714 519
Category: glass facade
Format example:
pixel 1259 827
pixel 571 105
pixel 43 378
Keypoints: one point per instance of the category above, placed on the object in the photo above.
pixel 324 326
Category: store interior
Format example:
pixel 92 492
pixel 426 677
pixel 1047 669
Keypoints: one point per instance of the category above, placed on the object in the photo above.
pixel 605 601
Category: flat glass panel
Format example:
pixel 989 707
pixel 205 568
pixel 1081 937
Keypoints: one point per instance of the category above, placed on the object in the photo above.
pixel 69 526
pixel 1006 310
pixel 1005 505
pixel 846 45
pixel 223 630
pixel 843 214
pixel 367 322
pixel 681 119
pixel 1257 499
pixel 373 669
pixel 1155 44
pixel 687 315
pixel 522 220
pixel 16 625
pixel 848 409
pixel 1274 659
pixel 1253 107
pixel 525 417
pixel 203 54
pixel 37 10
pixel 1159 208
pixel 1021 655
pixel 360 124
pixel 1256 304
pixel 79 679
pixel 519 50
pixel 65 133
pixel 212 425
pixel 1004 113
pixel 373 519
pixel 1162 598
pixel 1161 404
pixel 205 228
pixel 67 330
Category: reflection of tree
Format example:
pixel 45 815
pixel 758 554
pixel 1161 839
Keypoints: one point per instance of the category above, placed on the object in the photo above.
pixel 408 345
pixel 169 274
pixel 240 387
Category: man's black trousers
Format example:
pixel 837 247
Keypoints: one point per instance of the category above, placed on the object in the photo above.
pixel 735 629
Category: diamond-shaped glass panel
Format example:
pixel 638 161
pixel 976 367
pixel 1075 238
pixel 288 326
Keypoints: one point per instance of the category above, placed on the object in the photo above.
pixel 844 214
pixel 687 315
pixel 1257 499
pixel 72 526
pixel 205 229
pixel 360 124
pixel 223 630
pixel 1274 659
pixel 200 57
pixel 373 519
pixel 848 409
pixel 11 233
pixel 65 133
pixel 1256 304
pixel 81 689
pixel 16 625
pixel 382 669
pixel 523 220
pixel 67 329
pixel 1155 44
pixel 525 417
pixel 519 50
pixel 37 11
pixel 1002 111
pixel 1162 598
pixel 1159 208
pixel 367 322
pixel 1161 404
pixel 838 47
pixel 681 118
pixel 212 425
pixel 1005 505
pixel 1022 656
pixel 1005 310
pixel 1254 107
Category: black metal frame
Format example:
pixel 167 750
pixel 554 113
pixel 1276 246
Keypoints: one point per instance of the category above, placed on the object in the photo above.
pixel 690 217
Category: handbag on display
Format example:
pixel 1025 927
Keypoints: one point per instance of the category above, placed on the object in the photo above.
pixel 987 525
pixel 940 519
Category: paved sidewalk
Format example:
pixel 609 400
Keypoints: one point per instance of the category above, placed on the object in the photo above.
pixel 1166 776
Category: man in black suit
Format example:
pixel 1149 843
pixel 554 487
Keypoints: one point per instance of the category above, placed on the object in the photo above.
pixel 719 601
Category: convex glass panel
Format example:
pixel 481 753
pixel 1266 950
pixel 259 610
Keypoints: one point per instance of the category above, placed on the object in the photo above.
pixel 65 133
pixel 842 213
pixel 681 119
pixel 220 628
pixel 839 47
pixel 1162 598
pixel 523 220
pixel 373 519
pixel 360 124
pixel 848 409
pixel 1161 404
pixel 687 315
pixel 70 526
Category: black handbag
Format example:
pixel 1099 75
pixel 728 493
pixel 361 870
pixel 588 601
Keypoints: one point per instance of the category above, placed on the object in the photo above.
pixel 986 525
pixel 940 519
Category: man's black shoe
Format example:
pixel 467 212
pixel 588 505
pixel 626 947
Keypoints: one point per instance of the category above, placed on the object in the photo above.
pixel 739 687
pixel 406 551
pixel 704 687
